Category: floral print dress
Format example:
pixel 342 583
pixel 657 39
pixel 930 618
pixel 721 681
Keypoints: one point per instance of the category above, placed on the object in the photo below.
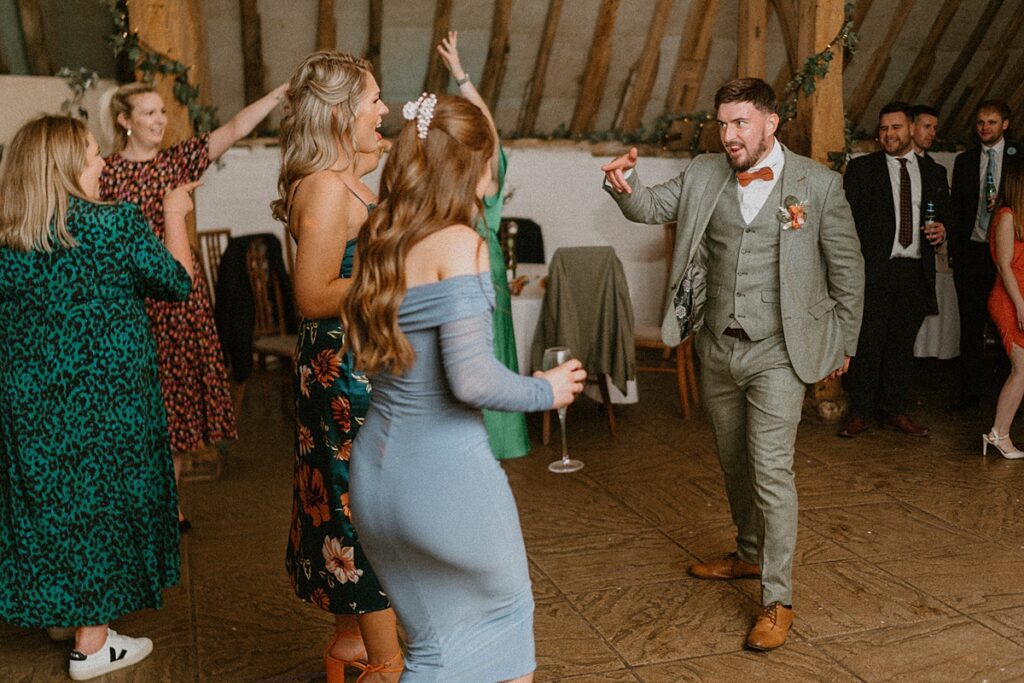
pixel 193 379
pixel 324 559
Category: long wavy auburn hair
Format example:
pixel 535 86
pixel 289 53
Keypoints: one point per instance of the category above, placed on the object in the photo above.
pixel 41 170
pixel 1011 192
pixel 323 96
pixel 427 185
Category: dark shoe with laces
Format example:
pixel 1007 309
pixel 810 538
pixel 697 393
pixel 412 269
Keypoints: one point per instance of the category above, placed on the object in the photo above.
pixel 771 628
pixel 902 423
pixel 854 427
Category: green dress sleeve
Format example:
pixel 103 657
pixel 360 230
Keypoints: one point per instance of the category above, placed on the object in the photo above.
pixel 156 273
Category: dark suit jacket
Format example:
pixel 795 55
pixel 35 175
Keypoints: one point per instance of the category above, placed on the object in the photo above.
pixel 869 192
pixel 964 197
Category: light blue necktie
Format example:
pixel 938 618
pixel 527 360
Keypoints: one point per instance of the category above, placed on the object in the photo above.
pixel 983 215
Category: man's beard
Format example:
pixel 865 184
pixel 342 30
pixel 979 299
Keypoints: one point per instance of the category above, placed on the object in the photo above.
pixel 744 165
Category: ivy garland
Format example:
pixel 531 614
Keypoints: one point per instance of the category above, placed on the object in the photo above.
pixel 151 62
pixel 78 81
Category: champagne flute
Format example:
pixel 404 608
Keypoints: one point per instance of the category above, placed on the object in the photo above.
pixel 553 357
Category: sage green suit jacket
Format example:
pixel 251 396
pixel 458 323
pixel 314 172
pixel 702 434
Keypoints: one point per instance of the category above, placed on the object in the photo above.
pixel 821 269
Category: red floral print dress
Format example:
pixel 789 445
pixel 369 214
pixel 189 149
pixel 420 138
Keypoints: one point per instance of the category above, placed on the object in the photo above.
pixel 193 379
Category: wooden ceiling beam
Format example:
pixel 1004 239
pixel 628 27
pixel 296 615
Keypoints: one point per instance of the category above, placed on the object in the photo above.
pixel 925 60
pixel 872 78
pixel 646 70
pixel 252 51
pixel 326 27
pixel 596 75
pixel 692 58
pixel 945 89
pixel 39 59
pixel 785 11
pixel 436 80
pixel 860 12
pixel 535 86
pixel 373 43
pixel 986 79
pixel 497 54
pixel 752 50
pixel 1016 102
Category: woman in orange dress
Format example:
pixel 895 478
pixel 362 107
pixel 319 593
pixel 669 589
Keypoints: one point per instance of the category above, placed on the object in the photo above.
pixel 1006 302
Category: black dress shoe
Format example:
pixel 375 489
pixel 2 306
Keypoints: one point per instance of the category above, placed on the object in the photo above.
pixel 962 405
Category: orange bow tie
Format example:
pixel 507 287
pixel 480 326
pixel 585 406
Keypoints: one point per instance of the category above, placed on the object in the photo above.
pixel 747 177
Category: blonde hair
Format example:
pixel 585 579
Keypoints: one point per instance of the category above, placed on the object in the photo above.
pixel 427 185
pixel 42 167
pixel 323 96
pixel 1011 192
pixel 120 103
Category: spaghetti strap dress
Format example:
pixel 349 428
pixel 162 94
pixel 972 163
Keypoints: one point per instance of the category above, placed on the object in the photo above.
pixel 324 559
pixel 435 512
pixel 1000 305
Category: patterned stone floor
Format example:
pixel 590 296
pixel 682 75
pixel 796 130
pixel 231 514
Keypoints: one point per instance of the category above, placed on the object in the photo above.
pixel 910 562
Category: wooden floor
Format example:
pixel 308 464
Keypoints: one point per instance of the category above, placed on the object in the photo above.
pixel 910 561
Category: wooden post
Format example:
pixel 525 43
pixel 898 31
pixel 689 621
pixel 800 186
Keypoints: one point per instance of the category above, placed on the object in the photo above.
pixel 925 60
pixel 820 115
pixel 436 79
pixel 252 51
pixel 691 60
pixel 970 48
pixel 374 41
pixel 753 45
pixel 326 27
pixel 35 41
pixel 535 86
pixel 592 87
pixel 871 81
pixel 646 70
pixel 494 68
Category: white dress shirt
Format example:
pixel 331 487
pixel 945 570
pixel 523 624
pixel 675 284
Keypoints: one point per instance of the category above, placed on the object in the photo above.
pixel 753 196
pixel 980 234
pixel 912 250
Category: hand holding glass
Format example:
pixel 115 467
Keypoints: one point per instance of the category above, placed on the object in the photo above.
pixel 553 357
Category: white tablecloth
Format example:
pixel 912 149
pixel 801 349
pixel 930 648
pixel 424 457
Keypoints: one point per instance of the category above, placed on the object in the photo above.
pixel 939 336
pixel 526 308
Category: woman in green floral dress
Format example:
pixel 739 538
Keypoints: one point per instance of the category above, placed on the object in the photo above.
pixel 506 431
pixel 88 513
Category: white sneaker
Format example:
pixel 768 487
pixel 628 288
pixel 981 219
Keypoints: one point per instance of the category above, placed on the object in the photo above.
pixel 117 653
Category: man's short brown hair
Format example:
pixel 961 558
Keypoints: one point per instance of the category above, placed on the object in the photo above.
pixel 998 106
pixel 752 90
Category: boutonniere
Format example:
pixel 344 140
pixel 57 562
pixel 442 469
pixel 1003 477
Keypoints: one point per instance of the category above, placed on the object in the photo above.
pixel 793 214
pixel 1010 151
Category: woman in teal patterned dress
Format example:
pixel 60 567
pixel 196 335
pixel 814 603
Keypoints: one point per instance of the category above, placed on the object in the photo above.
pixel 506 431
pixel 88 515
pixel 328 142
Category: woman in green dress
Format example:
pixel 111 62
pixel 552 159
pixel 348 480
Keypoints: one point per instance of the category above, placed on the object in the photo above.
pixel 506 431
pixel 88 511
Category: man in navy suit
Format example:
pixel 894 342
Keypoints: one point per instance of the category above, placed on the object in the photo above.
pixel 973 270
pixel 888 192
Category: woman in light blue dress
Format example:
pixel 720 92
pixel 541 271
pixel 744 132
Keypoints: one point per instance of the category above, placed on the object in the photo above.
pixel 434 510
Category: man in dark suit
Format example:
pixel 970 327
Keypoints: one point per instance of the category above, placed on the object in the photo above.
pixel 888 192
pixel 923 127
pixel 973 271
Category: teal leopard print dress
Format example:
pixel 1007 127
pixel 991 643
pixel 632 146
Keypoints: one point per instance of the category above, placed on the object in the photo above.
pixel 88 509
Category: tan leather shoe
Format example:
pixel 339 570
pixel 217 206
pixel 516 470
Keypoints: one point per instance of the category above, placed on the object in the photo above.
pixel 902 423
pixel 729 567
pixel 771 628
pixel 854 427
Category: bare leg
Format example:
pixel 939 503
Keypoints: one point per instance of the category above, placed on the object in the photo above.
pixel 528 678
pixel 1010 396
pixel 89 639
pixel 380 634
pixel 176 458
pixel 348 641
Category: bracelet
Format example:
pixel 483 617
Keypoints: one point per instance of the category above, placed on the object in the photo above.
pixel 462 81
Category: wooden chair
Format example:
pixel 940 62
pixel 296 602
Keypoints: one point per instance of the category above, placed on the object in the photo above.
pixel 212 244
pixel 649 337
pixel 270 335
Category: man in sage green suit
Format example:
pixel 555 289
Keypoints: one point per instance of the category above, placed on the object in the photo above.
pixel 767 248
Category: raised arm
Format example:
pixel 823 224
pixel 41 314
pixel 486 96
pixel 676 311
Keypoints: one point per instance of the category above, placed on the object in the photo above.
pixel 245 121
pixel 653 205
pixel 449 51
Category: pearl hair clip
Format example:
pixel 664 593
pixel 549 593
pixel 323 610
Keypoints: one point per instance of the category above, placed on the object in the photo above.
pixel 423 111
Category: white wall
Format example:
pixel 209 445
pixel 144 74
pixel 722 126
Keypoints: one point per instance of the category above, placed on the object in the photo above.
pixel 558 187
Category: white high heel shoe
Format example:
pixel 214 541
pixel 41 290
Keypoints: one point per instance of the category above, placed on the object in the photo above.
pixel 992 439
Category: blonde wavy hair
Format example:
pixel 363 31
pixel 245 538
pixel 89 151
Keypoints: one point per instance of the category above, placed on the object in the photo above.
pixel 427 185
pixel 121 103
pixel 323 96
pixel 41 170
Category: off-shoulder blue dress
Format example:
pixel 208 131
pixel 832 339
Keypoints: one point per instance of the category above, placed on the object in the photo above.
pixel 433 507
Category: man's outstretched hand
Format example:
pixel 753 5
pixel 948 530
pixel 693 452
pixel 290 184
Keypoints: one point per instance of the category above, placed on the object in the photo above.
pixel 615 171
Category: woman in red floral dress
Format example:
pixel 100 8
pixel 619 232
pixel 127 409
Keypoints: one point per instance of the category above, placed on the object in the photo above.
pixel 194 382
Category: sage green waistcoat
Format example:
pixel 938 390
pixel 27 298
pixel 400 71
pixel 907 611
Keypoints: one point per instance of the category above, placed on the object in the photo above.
pixel 743 267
